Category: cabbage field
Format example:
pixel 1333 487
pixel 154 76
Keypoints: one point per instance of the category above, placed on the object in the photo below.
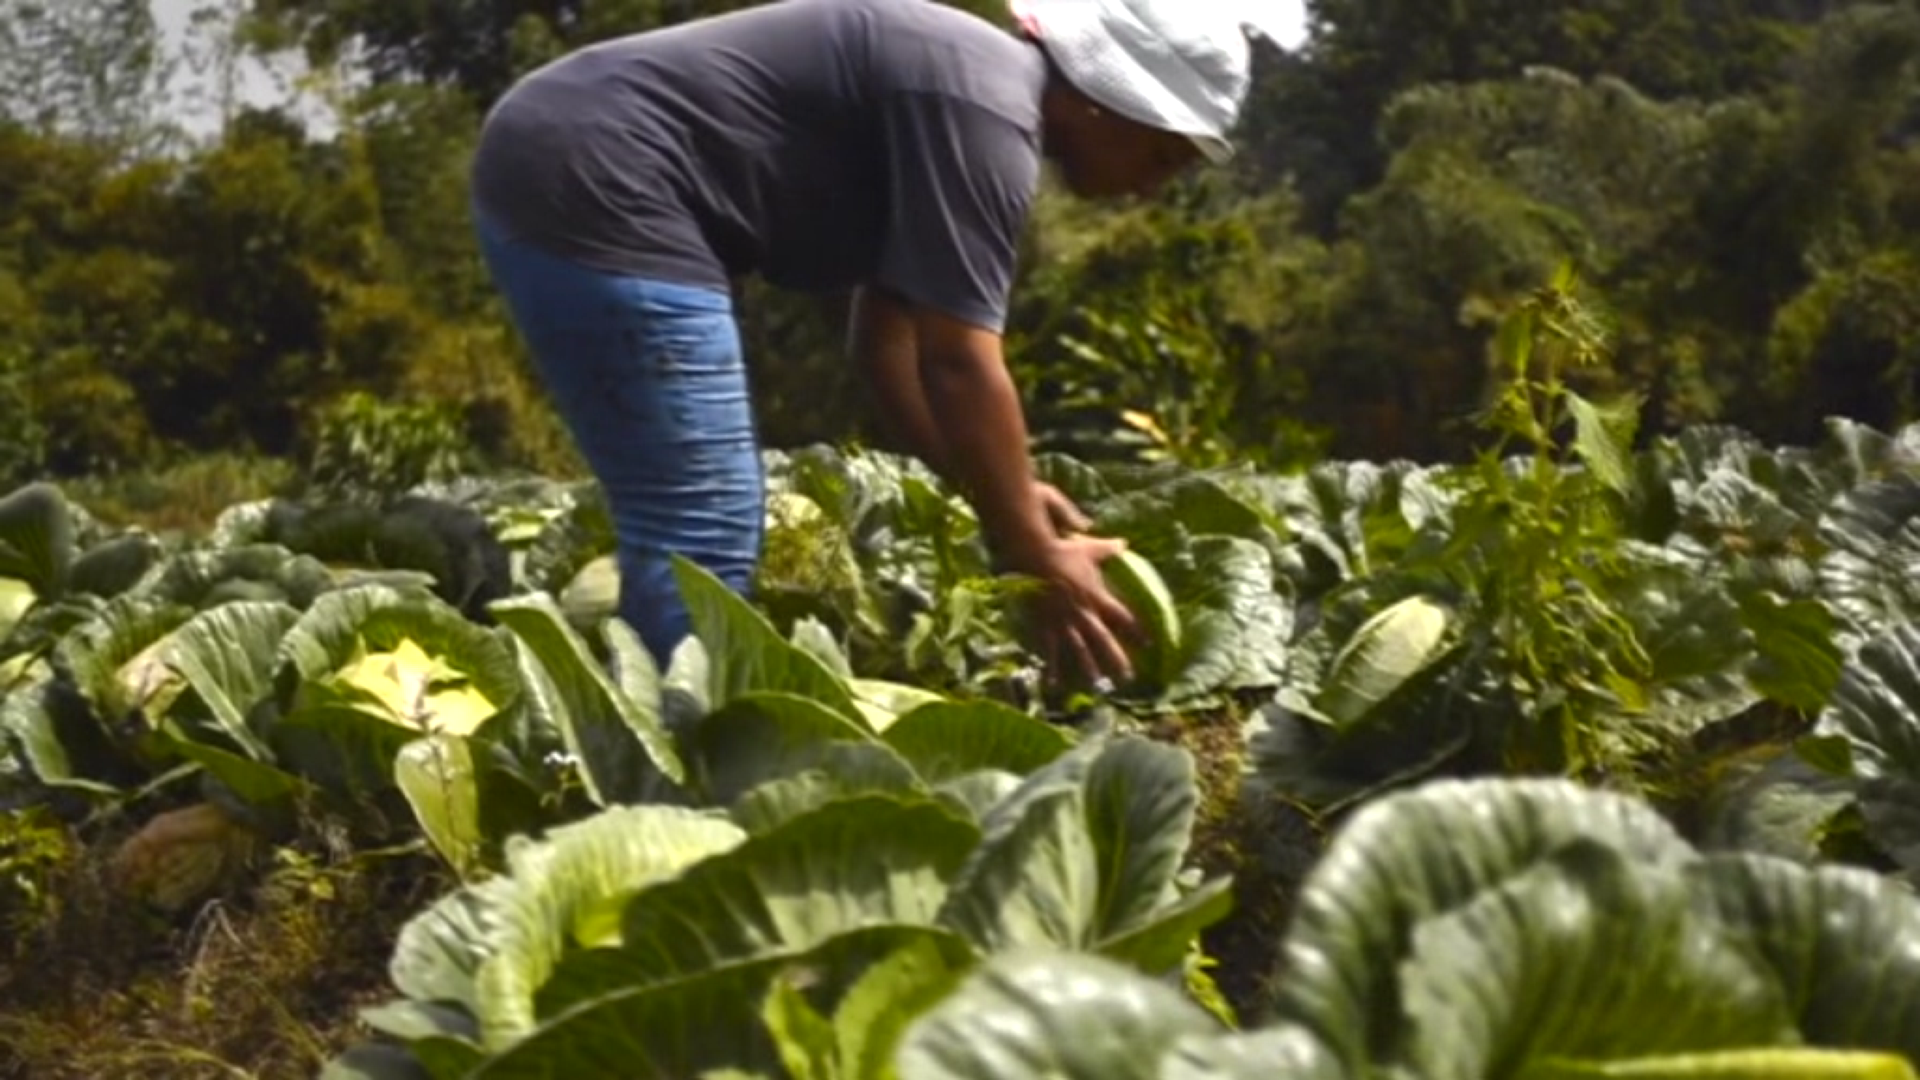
pixel 1577 760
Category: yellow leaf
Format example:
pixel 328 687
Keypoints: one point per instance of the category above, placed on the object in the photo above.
pixel 420 691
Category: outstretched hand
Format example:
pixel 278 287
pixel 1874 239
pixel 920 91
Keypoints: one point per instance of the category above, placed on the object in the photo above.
pixel 1067 518
pixel 1077 616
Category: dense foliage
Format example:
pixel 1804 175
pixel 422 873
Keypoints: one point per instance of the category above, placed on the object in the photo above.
pixel 1602 757
pixel 1737 182
pixel 1515 452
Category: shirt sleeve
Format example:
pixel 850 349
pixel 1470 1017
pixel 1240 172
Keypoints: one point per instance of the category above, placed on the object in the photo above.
pixel 962 182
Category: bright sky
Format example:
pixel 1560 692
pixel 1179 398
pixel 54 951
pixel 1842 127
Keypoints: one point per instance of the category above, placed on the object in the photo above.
pixel 260 84
pixel 257 83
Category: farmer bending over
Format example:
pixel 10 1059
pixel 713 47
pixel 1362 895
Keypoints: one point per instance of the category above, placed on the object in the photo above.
pixel 892 147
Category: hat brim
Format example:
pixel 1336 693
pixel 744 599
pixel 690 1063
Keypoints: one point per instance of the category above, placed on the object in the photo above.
pixel 1216 149
pixel 1081 48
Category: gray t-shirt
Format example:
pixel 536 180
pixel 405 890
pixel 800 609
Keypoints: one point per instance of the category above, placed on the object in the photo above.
pixel 821 144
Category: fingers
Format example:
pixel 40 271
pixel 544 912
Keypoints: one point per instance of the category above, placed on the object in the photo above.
pixel 1066 517
pixel 1050 652
pixel 1104 656
pixel 1097 655
pixel 1070 516
pixel 1111 612
pixel 1095 649
pixel 1061 509
pixel 1083 655
pixel 1081 616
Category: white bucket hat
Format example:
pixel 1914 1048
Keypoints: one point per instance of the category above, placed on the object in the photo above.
pixel 1175 65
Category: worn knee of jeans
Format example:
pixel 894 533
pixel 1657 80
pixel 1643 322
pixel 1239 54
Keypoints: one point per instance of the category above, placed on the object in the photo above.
pixel 649 378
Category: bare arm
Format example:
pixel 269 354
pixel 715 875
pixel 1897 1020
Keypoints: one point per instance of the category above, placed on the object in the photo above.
pixel 885 344
pixel 944 386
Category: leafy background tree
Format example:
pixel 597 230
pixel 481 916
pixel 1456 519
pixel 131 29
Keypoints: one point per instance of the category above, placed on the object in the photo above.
pixel 1739 182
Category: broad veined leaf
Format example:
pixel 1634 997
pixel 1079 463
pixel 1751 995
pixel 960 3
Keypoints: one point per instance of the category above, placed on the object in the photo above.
pixel 439 952
pixel 882 704
pixel 340 741
pixel 228 655
pixel 257 572
pixel 440 780
pixel 1049 1013
pixel 1853 452
pixel 812 636
pixel 633 668
pixel 977 793
pixel 256 784
pixel 685 685
pixel 416 690
pixel 836 770
pixel 1588 956
pixel 1082 482
pixel 567 891
pixel 1140 799
pixel 1603 438
pixel 1891 808
pixel 857 1041
pixel 873 860
pixel 1299 756
pixel 673 1028
pixel 705 1023
pixel 592 596
pixel 616 739
pixel 1876 706
pixel 242 523
pixel 1781 806
pixel 804 1040
pixel 1159 944
pixel 1872 534
pixel 1798 662
pixel 411 1021
pixel 746 654
pixel 1423 502
pixel 1411 856
pixel 1236 626
pixel 1843 944
pixel 872 1017
pixel 36 538
pixel 58 739
pixel 16 599
pixel 375 1061
pixel 1347 514
pixel 1274 1050
pixel 577 531
pixel 116 658
pixel 1152 519
pixel 114 566
pixel 432 656
pixel 447 1057
pixel 1389 649
pixel 945 740
pixel 1034 879
pixel 806 549
pixel 763 736
pixel 1697 652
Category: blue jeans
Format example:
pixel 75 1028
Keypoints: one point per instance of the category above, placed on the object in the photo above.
pixel 649 378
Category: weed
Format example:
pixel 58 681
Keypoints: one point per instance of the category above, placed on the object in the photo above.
pixel 262 981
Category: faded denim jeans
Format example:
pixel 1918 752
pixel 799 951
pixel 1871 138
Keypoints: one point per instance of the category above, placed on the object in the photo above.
pixel 650 380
